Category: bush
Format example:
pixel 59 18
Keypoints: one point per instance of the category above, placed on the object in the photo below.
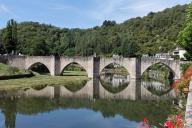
pixel 184 67
pixel 184 81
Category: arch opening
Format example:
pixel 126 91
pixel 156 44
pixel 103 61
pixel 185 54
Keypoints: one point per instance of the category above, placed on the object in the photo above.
pixel 75 70
pixel 158 78
pixel 114 78
pixel 39 69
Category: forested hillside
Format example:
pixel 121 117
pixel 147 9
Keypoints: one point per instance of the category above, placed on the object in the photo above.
pixel 156 32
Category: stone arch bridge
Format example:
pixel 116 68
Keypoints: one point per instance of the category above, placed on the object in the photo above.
pixel 92 65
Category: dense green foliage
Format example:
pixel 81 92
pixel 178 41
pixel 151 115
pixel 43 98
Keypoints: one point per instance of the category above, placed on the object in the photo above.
pixel 185 36
pixel 9 37
pixel 151 34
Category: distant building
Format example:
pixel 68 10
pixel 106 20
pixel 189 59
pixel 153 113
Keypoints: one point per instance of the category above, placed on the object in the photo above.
pixel 145 55
pixel 159 56
pixel 163 56
pixel 179 52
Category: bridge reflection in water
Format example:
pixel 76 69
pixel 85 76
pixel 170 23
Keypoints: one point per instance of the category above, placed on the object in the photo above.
pixel 93 89
pixel 35 101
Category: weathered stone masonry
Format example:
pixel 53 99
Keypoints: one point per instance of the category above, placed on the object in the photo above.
pixel 92 65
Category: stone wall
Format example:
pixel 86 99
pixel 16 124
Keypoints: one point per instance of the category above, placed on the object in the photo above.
pixel 15 61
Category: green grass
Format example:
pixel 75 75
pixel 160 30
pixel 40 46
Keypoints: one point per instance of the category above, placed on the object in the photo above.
pixel 74 73
pixel 43 80
pixel 6 70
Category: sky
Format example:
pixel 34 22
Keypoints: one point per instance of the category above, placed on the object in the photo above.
pixel 79 13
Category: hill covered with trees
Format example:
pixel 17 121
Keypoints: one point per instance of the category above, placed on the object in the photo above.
pixel 154 33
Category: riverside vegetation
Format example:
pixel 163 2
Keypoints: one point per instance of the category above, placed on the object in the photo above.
pixel 6 70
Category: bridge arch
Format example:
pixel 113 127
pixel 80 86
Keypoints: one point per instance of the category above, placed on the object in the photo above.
pixel 160 63
pixel 65 66
pixel 128 63
pixel 38 63
pixel 174 66
pixel 48 61
pixel 85 62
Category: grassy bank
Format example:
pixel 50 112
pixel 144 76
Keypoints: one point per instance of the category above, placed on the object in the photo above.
pixel 74 73
pixel 43 80
pixel 6 70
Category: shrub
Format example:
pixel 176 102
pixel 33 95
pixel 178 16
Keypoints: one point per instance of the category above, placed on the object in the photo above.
pixel 184 80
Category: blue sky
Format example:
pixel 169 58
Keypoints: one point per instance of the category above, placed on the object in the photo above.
pixel 79 13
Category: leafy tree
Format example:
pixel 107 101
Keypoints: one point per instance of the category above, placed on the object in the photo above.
pixel 185 36
pixel 38 47
pixel 107 23
pixel 129 49
pixel 10 36
pixel 2 49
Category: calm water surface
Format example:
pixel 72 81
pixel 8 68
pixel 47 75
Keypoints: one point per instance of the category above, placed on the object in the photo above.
pixel 93 106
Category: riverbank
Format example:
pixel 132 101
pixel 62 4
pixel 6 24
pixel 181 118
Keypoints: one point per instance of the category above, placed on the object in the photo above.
pixel 74 73
pixel 43 80
pixel 8 72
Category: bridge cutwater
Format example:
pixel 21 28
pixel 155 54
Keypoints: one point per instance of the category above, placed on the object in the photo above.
pixel 92 65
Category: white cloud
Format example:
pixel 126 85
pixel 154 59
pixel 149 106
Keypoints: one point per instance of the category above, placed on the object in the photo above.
pixel 4 9
pixel 105 8
pixel 121 10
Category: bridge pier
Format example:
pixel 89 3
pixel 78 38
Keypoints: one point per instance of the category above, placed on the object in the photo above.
pixel 53 67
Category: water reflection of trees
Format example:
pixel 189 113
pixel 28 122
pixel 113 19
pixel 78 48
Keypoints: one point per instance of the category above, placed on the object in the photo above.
pixel 156 111
pixel 8 107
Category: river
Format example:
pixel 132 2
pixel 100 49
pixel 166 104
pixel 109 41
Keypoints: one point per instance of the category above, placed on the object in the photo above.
pixel 93 106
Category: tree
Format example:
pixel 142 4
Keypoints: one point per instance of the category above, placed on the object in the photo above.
pixel 185 36
pixel 129 48
pixel 38 48
pixel 10 36
pixel 107 23
pixel 2 49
